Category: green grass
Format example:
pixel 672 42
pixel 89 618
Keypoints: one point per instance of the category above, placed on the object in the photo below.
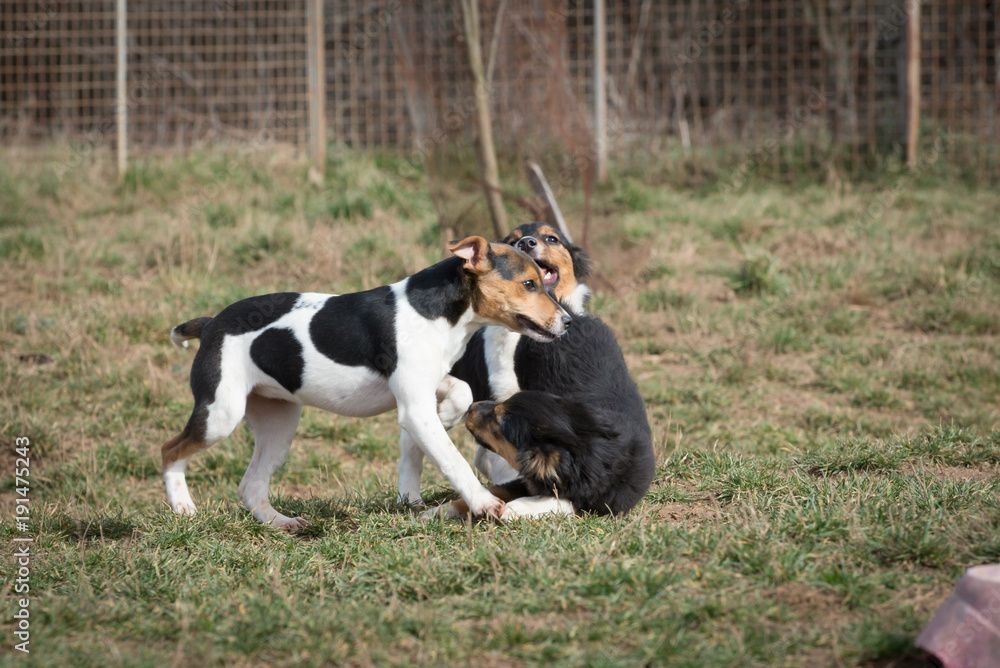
pixel 823 391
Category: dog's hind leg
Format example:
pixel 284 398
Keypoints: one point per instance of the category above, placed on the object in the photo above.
pixel 536 506
pixel 208 425
pixel 274 423
pixel 175 454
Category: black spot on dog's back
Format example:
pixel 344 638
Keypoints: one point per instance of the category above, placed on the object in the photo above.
pixel 358 330
pixel 252 314
pixel 242 317
pixel 279 354
pixel 439 291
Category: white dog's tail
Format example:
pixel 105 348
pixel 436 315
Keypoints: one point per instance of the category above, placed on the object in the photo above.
pixel 191 329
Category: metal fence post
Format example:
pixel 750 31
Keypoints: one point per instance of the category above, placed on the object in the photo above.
pixel 317 89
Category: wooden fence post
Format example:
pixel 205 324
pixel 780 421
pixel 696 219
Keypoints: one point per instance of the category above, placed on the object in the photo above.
pixel 912 81
pixel 121 93
pixel 600 94
pixel 316 75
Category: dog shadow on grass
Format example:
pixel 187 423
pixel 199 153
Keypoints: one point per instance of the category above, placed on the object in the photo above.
pixel 113 527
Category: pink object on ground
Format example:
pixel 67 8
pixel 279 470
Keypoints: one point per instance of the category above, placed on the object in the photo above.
pixel 965 631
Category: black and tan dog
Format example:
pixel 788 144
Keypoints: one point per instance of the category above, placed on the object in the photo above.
pixel 583 443
pixel 576 439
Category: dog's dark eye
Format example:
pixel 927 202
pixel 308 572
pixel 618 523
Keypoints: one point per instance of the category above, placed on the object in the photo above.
pixel 530 286
pixel 549 239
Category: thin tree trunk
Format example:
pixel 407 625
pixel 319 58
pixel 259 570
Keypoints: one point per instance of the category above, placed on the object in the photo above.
pixel 486 152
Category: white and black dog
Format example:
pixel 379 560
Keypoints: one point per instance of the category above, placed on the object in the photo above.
pixel 359 354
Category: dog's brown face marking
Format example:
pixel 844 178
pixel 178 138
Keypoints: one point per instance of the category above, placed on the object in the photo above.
pixel 550 253
pixel 483 421
pixel 509 289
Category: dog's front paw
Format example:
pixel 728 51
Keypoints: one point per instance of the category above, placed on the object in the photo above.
pixel 410 499
pixel 184 507
pixel 487 506
pixel 289 524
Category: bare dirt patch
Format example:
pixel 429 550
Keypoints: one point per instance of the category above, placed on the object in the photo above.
pixel 818 603
pixel 706 288
pixel 981 473
pixel 7 456
pixel 671 365
pixel 796 401
pixel 798 368
pixel 690 512
pixel 494 660
pixel 810 244
pixel 541 623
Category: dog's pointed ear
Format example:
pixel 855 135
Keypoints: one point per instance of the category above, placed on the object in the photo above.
pixel 582 264
pixel 475 251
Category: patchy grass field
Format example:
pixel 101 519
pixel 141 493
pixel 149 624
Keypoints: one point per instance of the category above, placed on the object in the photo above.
pixel 821 373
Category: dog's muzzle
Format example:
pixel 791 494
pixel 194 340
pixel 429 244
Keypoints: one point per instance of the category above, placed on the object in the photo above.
pixel 477 413
pixel 526 244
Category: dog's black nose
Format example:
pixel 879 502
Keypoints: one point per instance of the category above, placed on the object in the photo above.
pixel 567 320
pixel 526 243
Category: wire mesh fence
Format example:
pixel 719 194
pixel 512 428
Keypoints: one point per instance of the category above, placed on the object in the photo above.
pixel 196 71
pixel 756 84
pixel 57 69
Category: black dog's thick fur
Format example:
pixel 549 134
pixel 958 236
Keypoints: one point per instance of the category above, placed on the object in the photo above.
pixel 579 401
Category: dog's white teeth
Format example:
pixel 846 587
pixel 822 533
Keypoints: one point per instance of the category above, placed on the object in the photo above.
pixel 549 276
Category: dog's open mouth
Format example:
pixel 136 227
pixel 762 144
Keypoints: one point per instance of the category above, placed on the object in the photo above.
pixel 549 273
pixel 532 328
